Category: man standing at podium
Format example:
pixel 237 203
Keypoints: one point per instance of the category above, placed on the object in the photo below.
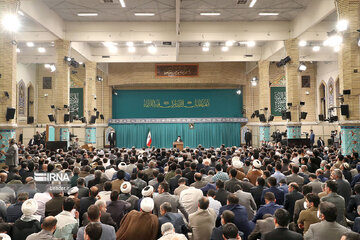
pixel 178 139
pixel 112 138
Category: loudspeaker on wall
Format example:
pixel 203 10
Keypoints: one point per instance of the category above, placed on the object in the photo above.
pixel 10 113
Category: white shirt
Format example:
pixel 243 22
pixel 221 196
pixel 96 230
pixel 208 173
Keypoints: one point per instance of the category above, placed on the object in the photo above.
pixel 189 199
pixel 105 195
pixel 41 199
pixel 214 204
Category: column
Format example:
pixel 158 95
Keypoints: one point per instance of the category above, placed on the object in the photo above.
pixel 349 62
pixel 264 99
pixel 90 89
pixel 8 77
pixel 293 88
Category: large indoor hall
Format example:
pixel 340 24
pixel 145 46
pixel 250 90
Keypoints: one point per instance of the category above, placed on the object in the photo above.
pixel 179 119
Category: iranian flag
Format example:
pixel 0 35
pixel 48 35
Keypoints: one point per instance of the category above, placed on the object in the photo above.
pixel 148 139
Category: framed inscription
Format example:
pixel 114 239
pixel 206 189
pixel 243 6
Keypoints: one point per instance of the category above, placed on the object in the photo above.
pixel 47 82
pixel 305 81
pixel 177 70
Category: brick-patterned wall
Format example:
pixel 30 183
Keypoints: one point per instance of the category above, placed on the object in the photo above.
pixel 104 97
pixel 264 77
pixel 90 89
pixel 251 97
pixel 42 107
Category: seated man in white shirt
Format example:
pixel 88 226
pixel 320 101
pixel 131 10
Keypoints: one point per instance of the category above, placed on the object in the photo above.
pixel 214 204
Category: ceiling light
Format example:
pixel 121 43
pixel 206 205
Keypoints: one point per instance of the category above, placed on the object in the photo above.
pixel 47 65
pixel 210 14
pixel 334 40
pixel 144 14
pixel 108 44
pixel 131 49
pixel 52 68
pixel 30 44
pixel 41 50
pixel 268 14
pixel 302 43
pixel 11 23
pixel 337 48
pixel 113 49
pixel 342 25
pixel 20 13
pixel 205 49
pixel 147 42
pixel 316 48
pixel 122 3
pixel 129 44
pixel 229 43
pixel 359 42
pixel 252 3
pixel 225 49
pixel 87 14
pixel 302 67
pixel 152 49
pixel 206 44
pixel 251 43
pixel 18 50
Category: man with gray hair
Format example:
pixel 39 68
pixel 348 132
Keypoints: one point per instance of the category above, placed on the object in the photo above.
pixel 176 219
pixel 105 217
pixel 168 232
pixel 344 188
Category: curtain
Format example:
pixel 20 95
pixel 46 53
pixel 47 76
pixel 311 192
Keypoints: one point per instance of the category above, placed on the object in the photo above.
pixel 163 135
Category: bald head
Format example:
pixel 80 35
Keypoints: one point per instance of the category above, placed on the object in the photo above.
pixel 94 191
pixel 3 177
pixel 49 224
pixel 197 176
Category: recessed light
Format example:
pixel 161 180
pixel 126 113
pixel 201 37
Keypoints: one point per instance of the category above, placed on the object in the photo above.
pixel 113 49
pixel 122 3
pixel 41 50
pixel 342 25
pixel 205 49
pixel 144 14
pixel 225 49
pixel 87 14
pixel 147 42
pixel 21 13
pixel 316 48
pixel 131 49
pixel 268 14
pixel 206 44
pixel 251 43
pixel 18 50
pixel 229 43
pixel 210 14
pixel 30 44
pixel 152 49
pixel 129 44
pixel 302 43
pixel 109 44
pixel 252 3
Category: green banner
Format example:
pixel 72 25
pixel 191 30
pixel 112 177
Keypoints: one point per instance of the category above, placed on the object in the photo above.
pixel 77 101
pixel 278 100
pixel 177 103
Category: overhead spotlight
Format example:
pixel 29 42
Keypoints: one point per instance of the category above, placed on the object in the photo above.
pixel 238 92
pixel 11 22
pixel 6 94
pixel 18 50
pixel 102 116
pixel 229 43
pixel 52 106
pixel 30 44
pixel 302 103
pixel 114 92
pixel 81 63
pixel 302 67
pixel 205 49
pixel 224 49
pixel 113 49
pixel 251 43
pixel 289 104
pixel 41 50
pixel 67 59
pixel 337 48
pixel 333 40
pixel 131 49
pixel 253 115
pixel 316 48
pixel 99 79
pixel 152 49
pixel 303 115
pixel 46 65
pixel 130 44
pixel 302 43
pixel 206 44
pixel 342 25
pixel 52 68
pixel 254 81
pixel 122 3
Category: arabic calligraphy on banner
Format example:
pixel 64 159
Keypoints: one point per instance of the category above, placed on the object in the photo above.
pixel 177 70
pixel 176 103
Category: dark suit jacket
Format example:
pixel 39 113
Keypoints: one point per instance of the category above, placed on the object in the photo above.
pixel 351 212
pixel 85 203
pixel 54 206
pixel 256 192
pixel 173 182
pixel 344 190
pixel 221 196
pixel 176 219
pixel 282 234
pixel 190 177
pixel 118 209
pixel 105 218
pixel 231 184
pixel 83 192
pixel 279 195
pixel 290 200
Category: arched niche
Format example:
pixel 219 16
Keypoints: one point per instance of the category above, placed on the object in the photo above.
pixel 322 99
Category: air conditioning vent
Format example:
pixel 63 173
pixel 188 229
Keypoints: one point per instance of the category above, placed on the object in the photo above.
pixel 241 1
pixel 105 56
pixel 110 1
pixel 248 55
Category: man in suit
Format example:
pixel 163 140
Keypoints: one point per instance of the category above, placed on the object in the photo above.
pixel 226 217
pixel 354 202
pixel 105 217
pixel 343 186
pixel 11 155
pixel 248 137
pixel 86 202
pixel 221 193
pixel 54 206
pixel 336 199
pixel 202 221
pixel 281 231
pixel 175 218
pixel 315 183
pixel 83 191
pixel 240 220
pixel 262 226
pixel 270 207
pixel 112 138
pixel 256 192
pixel 173 182
pixel 299 204
pixel 279 194
pixel 233 182
pixel 312 138
pixel 291 198
pixel 294 177
pixel 246 200
pixel 108 232
pixel 165 196
pixel 328 228
pixel 320 143
pixel 199 183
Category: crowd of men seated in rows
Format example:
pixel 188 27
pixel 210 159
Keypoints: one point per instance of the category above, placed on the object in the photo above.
pixel 223 193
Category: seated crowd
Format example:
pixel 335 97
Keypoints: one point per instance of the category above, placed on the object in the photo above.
pixel 272 192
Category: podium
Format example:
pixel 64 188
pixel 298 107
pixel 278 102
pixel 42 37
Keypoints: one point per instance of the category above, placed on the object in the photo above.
pixel 178 145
